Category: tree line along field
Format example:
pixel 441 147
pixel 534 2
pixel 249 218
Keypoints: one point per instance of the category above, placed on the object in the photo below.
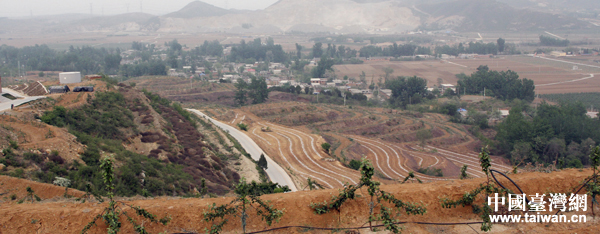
pixel 589 100
pixel 390 139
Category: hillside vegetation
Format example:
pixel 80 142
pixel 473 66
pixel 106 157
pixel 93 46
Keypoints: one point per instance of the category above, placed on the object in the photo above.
pixel 160 148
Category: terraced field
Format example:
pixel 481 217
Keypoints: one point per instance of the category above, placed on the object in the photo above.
pixel 292 133
pixel 186 90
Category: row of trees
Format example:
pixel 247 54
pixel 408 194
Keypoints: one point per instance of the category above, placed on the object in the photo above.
pixel 472 48
pixel 88 60
pixel 256 90
pixel 258 51
pixel 332 51
pixel 504 85
pixel 406 90
pixel 394 50
pixel 551 41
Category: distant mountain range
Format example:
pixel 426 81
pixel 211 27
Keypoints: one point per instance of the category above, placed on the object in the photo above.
pixel 337 16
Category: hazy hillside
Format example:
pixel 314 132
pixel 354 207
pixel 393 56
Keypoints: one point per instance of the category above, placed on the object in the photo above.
pixel 474 15
pixel 198 9
pixel 81 23
pixel 379 16
pixel 123 22
pixel 308 15
pixel 561 5
pixel 338 16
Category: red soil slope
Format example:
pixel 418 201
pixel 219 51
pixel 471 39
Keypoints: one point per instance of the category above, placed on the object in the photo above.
pixel 71 217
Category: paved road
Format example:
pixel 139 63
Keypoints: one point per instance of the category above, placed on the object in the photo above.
pixel 276 173
pixel 17 102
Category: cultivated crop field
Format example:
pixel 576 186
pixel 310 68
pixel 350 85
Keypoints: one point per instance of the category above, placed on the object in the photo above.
pixel 184 90
pixel 550 75
pixel 389 139
pixel 429 70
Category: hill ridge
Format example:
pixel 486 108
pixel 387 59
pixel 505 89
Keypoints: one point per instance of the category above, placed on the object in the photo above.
pixel 198 9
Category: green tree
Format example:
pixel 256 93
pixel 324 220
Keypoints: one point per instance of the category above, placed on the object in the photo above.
pixel 298 51
pixel 501 43
pixel 550 41
pixel 521 151
pixel 326 146
pixel 298 89
pixel 486 189
pixel 258 90
pixel 388 73
pixel 378 199
pixel 406 90
pixel 317 50
pixel 463 172
pixel 175 46
pixel 322 67
pixel 245 199
pixel 504 85
pixel 355 164
pixel 241 92
pixel 112 214
pixel 514 129
pixel 363 77
pixel 262 161
pixel 112 62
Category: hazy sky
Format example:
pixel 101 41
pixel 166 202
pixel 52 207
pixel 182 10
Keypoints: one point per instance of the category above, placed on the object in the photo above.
pixel 17 8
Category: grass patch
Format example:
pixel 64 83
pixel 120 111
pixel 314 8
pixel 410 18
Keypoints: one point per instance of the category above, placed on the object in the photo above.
pixel 437 172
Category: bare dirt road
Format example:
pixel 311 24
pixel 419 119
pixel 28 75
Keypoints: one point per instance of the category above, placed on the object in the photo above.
pixel 274 171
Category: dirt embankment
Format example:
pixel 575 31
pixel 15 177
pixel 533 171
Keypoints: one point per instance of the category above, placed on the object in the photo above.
pixel 71 217
pixel 31 134
pixel 18 187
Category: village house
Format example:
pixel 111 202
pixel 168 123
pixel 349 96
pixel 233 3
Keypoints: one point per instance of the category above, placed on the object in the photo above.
pixel 448 86
pixel 386 93
pixel 359 91
pixel 318 81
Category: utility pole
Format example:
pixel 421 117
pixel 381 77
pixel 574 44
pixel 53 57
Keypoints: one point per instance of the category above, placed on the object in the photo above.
pixel 483 92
